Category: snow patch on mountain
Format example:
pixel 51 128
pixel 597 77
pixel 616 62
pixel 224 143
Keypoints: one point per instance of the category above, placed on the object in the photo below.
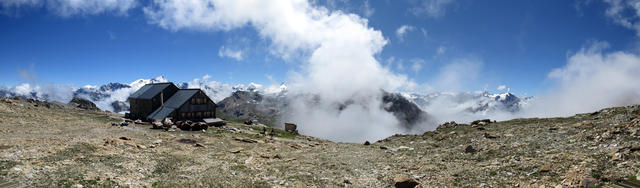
pixel 469 106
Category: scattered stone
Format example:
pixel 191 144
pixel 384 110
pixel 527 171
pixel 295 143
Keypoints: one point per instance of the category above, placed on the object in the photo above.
pixel 187 141
pixel 404 182
pixel 247 140
pixel 125 138
pixel 383 148
pixel 545 168
pixel 401 148
pixel 616 156
pixel 124 124
pixel 347 181
pixel 141 146
pixel 635 148
pixel 114 124
pixel 77 186
pixel 487 135
pixel 447 125
pixel 366 143
pixel 470 149
pixel 200 145
pixel 236 150
pixel 588 182
pixel 480 122
pixel 137 121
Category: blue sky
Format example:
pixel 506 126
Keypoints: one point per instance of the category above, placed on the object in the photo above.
pixel 512 43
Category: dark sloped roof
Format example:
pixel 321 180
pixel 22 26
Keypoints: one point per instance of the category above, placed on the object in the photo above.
pixel 150 90
pixel 173 103
pixel 180 98
pixel 161 113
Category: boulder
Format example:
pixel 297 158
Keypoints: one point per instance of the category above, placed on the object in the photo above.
pixel 137 121
pixel 199 126
pixel 167 122
pixel 470 149
pixel 157 125
pixel 366 143
pixel 123 124
pixel 404 182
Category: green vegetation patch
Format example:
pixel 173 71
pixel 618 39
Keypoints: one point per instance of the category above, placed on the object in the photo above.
pixel 72 152
pixel 170 165
pixel 5 166
pixel 3 147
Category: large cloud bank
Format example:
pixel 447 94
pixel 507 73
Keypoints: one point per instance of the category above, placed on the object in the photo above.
pixel 592 79
pixel 340 67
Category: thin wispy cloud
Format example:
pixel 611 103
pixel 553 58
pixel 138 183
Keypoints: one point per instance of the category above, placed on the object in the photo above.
pixel 67 8
pixel 402 31
pixel 230 53
pixel 431 8
pixel 625 13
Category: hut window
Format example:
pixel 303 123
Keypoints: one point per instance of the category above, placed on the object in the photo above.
pixel 198 114
pixel 183 114
pixel 206 114
pixel 193 100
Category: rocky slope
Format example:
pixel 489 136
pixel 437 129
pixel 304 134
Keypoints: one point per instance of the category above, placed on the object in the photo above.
pixel 42 146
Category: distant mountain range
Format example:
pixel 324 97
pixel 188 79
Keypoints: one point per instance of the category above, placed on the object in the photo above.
pixel 113 97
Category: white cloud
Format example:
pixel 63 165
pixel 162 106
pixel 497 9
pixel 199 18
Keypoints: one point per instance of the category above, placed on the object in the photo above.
pixel 441 50
pixel 416 64
pixel 501 87
pixel 459 75
pixel 367 10
pixel 66 8
pixel 234 54
pixel 431 8
pixel 591 80
pixel 402 31
pixel 28 74
pixel 625 13
pixel 425 34
pixel 340 65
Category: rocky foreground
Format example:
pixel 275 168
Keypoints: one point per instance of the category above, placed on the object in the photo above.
pixel 42 146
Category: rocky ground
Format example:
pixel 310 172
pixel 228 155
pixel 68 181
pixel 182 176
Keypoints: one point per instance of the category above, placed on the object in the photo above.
pixel 50 147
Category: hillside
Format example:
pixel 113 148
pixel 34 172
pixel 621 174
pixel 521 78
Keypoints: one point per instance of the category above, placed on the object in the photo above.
pixel 41 147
